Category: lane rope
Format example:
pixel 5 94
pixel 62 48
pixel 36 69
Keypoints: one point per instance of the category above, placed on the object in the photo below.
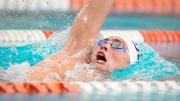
pixel 165 7
pixel 28 87
pixel 24 37
pixel 104 87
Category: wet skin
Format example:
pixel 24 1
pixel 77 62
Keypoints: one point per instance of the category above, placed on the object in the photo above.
pixel 112 59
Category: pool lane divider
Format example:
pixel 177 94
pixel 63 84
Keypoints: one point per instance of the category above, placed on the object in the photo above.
pixel 48 33
pixel 165 7
pixel 92 87
pixel 160 36
pixel 154 7
pixel 28 87
pixel 119 87
pixel 24 37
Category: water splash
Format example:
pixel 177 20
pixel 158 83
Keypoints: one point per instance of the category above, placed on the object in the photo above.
pixel 84 72
pixel 32 53
pixel 16 73
pixel 16 60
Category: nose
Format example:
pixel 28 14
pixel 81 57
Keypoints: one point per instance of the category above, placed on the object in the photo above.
pixel 105 47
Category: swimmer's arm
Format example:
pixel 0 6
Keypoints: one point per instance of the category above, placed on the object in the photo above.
pixel 84 30
pixel 87 24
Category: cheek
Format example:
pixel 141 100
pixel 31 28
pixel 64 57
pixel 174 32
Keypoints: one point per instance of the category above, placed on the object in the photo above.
pixel 113 62
pixel 120 59
pixel 116 56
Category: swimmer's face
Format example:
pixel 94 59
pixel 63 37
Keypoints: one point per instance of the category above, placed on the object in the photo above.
pixel 106 58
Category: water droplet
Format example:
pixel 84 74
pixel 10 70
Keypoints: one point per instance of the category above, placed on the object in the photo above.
pixel 47 22
pixel 40 26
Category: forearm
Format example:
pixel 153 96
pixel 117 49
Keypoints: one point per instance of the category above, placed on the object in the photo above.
pixel 92 15
pixel 88 22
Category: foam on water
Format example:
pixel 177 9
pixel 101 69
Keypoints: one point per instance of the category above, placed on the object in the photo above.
pixel 86 72
pixel 16 73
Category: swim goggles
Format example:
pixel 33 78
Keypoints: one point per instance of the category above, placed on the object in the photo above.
pixel 115 45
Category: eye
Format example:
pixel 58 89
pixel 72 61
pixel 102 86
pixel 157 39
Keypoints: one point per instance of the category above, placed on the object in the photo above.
pixel 117 45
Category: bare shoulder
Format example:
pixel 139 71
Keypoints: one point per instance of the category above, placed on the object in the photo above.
pixel 41 70
pixel 57 64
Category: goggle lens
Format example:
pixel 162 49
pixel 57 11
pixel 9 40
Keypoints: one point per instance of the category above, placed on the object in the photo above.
pixel 117 45
pixel 114 45
pixel 101 42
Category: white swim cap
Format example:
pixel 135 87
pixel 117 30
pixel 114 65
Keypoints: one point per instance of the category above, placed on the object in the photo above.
pixel 132 47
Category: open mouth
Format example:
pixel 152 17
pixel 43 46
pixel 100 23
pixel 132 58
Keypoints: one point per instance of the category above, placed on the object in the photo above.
pixel 100 56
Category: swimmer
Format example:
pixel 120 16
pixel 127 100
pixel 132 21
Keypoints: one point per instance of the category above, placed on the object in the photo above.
pixel 109 54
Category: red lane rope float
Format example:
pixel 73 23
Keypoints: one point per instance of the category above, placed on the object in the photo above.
pixel 6 89
pixel 35 88
pixel 48 33
pixel 178 34
pixel 77 4
pixel 58 87
pixel 160 36
pixel 18 87
pixel 176 7
pixel 138 6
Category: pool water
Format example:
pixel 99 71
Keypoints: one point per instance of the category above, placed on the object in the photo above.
pixel 60 21
pixel 128 96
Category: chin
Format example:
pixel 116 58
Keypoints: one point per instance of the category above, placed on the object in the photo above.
pixel 104 67
pixel 109 68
